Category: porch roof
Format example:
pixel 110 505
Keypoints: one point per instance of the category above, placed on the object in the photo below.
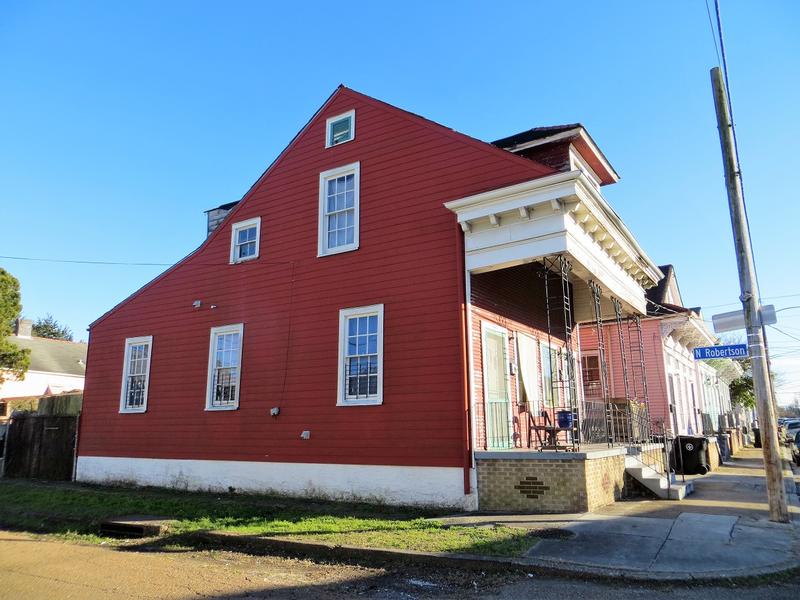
pixel 559 213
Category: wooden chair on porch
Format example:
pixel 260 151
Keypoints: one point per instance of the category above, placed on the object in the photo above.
pixel 546 431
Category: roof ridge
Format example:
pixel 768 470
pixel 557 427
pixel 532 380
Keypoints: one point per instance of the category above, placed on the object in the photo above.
pixel 39 337
pixel 488 146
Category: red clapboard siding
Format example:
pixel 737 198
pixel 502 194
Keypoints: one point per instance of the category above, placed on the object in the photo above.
pixel 514 299
pixel 654 362
pixel 289 300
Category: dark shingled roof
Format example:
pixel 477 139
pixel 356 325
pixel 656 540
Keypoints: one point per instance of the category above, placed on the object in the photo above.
pixel 226 206
pixel 54 356
pixel 536 133
pixel 657 296
pixel 658 293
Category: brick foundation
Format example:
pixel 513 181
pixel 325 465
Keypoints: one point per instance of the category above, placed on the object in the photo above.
pixel 549 482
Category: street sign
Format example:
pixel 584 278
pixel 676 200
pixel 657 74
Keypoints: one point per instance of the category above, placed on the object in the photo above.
pixel 734 320
pixel 728 351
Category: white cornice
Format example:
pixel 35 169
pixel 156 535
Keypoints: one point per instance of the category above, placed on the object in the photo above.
pixel 512 192
pixel 572 193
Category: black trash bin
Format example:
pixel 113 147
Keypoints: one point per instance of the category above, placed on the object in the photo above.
pixel 756 437
pixel 690 455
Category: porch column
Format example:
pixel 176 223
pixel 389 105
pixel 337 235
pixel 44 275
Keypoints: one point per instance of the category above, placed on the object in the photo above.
pixel 605 395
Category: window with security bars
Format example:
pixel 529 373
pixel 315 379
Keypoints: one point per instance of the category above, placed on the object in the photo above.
pixel 244 240
pixel 339 198
pixel 361 360
pixel 136 374
pixel 590 366
pixel 224 367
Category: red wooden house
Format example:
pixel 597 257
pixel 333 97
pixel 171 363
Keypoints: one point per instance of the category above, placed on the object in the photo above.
pixel 388 301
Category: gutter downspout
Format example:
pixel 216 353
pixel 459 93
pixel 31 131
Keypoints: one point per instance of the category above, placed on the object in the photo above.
pixel 465 326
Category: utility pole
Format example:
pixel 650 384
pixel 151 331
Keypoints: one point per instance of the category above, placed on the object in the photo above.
pixel 776 494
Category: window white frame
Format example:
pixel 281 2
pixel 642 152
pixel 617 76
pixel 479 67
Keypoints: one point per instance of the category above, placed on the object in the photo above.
pixel 129 344
pixel 350 114
pixel 546 362
pixel 528 373
pixel 486 328
pixel 344 315
pixel 215 333
pixel 322 234
pixel 235 229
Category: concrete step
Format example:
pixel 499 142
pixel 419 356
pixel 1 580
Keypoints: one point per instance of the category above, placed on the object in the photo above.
pixel 655 481
pixel 678 491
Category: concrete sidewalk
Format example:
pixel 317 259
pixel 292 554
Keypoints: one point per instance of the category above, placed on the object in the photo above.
pixel 722 530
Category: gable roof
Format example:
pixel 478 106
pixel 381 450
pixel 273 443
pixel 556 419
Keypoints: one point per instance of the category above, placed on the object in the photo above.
pixel 536 169
pixel 54 356
pixel 658 297
pixel 575 134
pixel 537 133
pixel 226 206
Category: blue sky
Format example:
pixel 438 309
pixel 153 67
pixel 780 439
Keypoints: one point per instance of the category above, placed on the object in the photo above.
pixel 124 121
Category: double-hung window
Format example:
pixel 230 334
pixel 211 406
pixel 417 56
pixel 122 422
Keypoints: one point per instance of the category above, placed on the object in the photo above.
pixel 340 129
pixel 361 355
pixel 224 367
pixel 339 209
pixel 136 374
pixel 244 240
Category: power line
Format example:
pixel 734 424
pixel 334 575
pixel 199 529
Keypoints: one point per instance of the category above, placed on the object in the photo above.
pixel 739 303
pixel 784 333
pixel 87 262
pixel 121 263
pixel 713 33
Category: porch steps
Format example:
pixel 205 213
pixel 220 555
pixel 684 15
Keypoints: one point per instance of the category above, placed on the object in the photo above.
pixel 655 481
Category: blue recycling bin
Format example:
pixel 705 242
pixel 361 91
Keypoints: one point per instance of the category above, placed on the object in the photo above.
pixel 565 419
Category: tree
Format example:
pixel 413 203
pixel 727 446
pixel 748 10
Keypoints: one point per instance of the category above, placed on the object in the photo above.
pixel 742 392
pixel 14 361
pixel 48 327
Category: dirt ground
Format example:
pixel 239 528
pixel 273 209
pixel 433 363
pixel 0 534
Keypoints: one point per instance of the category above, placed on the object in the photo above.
pixel 36 568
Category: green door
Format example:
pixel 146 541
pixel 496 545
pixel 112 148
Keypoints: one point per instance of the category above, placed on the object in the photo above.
pixel 498 403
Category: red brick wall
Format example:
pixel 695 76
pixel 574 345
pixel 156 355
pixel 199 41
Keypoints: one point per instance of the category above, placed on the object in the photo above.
pixel 514 299
pixel 552 155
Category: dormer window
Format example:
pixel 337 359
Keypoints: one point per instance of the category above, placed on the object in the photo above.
pixel 244 240
pixel 340 129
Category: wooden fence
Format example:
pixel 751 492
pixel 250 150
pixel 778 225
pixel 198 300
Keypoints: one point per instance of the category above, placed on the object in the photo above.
pixel 40 447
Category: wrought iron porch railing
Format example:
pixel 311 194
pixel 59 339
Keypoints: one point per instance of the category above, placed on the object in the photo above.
pixel 614 422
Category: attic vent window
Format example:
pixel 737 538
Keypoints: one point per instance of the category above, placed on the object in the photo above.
pixel 244 240
pixel 340 129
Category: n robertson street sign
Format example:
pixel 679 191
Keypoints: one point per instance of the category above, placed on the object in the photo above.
pixel 729 351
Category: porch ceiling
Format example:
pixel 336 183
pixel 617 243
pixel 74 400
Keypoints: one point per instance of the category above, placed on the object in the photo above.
pixel 559 214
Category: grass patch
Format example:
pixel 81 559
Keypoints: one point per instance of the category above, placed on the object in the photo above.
pixel 74 512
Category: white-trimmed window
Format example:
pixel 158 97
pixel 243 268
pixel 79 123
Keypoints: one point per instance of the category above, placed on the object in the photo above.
pixel 224 367
pixel 338 209
pixel 340 129
pixel 361 355
pixel 549 359
pixel 244 240
pixel 136 374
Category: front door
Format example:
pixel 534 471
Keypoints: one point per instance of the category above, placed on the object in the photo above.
pixel 496 387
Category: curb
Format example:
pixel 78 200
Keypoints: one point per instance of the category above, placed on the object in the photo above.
pixel 388 556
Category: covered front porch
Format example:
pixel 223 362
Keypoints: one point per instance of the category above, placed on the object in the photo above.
pixel 541 258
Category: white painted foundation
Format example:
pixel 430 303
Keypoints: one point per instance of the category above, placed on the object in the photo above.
pixel 420 486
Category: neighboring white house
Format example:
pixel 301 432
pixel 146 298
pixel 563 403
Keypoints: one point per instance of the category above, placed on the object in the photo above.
pixel 56 366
